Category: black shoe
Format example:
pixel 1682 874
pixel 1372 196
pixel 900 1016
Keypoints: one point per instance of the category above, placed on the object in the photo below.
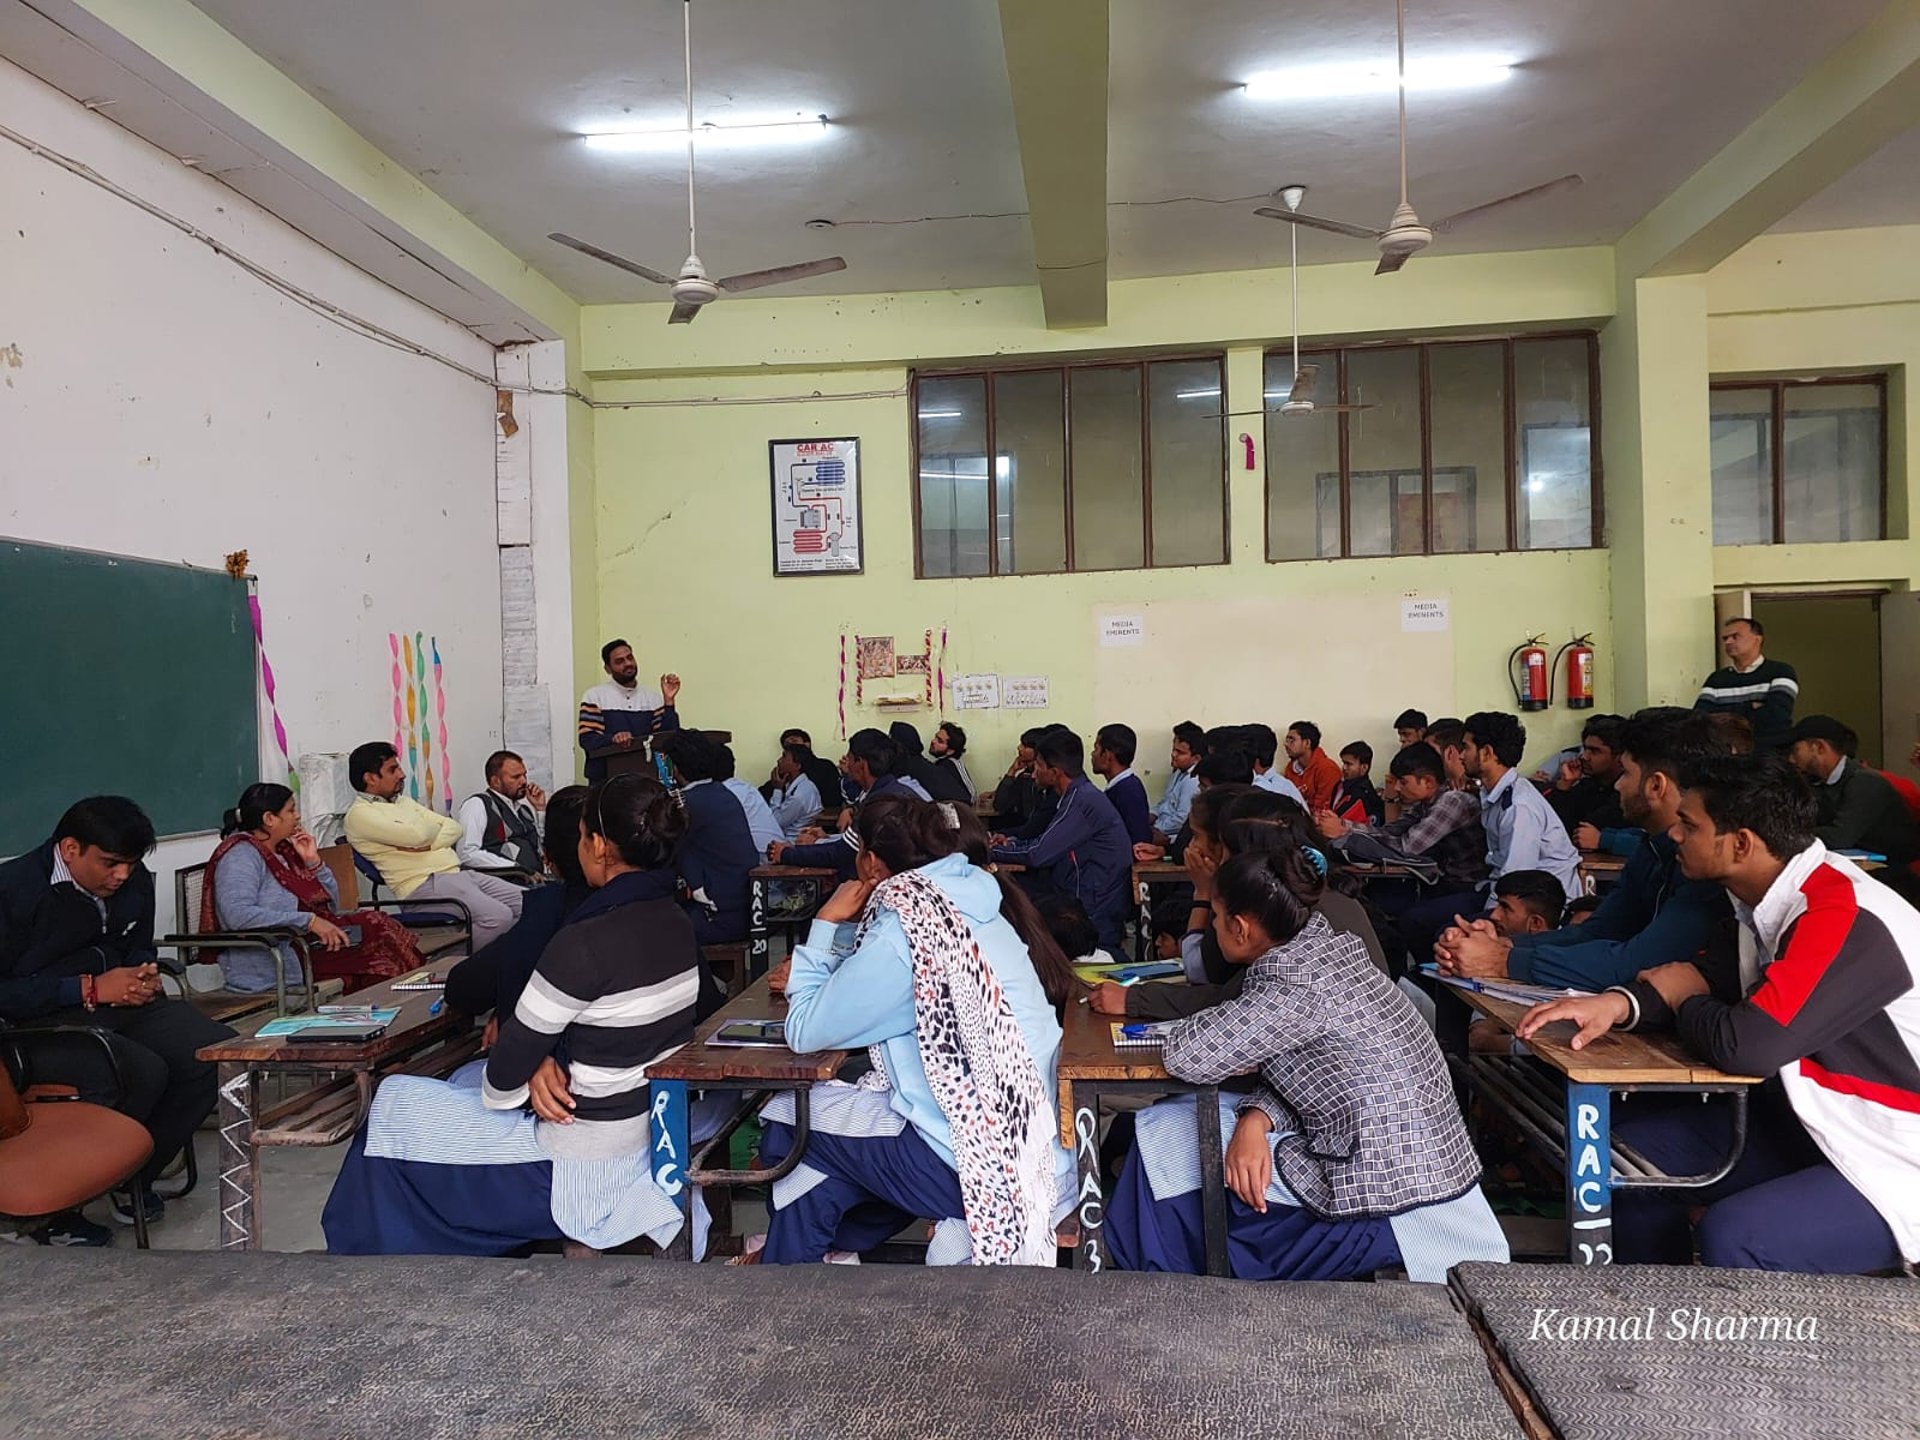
pixel 123 1206
pixel 72 1228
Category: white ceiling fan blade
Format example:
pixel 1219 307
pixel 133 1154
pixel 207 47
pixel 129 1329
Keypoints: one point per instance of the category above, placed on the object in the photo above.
pixel 683 313
pixel 1335 409
pixel 1318 222
pixel 1392 261
pixel 1463 217
pixel 780 275
pixel 632 267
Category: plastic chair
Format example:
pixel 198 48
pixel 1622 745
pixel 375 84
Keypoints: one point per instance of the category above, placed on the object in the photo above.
pixel 57 1152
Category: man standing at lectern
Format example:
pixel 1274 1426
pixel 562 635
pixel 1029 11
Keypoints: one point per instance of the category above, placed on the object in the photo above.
pixel 620 715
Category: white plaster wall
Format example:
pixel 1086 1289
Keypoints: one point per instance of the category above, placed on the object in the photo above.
pixel 161 402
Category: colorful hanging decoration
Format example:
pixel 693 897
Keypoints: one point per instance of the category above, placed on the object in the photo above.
pixel 843 685
pixel 266 681
pixel 440 714
pixel 942 666
pixel 926 675
pixel 413 719
pixel 426 716
pixel 399 715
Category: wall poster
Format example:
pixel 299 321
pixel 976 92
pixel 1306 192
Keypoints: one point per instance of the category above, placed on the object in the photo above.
pixel 816 506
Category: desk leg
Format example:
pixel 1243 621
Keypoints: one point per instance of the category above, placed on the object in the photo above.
pixel 1213 1180
pixel 671 1151
pixel 1090 1205
pixel 758 951
pixel 1589 1175
pixel 239 1184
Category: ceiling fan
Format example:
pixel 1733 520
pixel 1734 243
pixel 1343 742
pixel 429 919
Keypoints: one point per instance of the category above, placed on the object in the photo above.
pixel 692 288
pixel 1405 235
pixel 1299 399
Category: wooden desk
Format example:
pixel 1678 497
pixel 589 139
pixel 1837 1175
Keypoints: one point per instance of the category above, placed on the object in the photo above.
pixel 1146 875
pixel 1090 1066
pixel 758 948
pixel 1580 1135
pixel 1598 869
pixel 417 1041
pixel 701 1066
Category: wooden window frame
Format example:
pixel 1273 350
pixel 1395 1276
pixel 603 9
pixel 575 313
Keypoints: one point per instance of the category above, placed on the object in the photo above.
pixel 1777 387
pixel 1142 366
pixel 1509 440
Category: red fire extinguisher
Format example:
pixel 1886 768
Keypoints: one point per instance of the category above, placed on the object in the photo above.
pixel 1579 653
pixel 1528 674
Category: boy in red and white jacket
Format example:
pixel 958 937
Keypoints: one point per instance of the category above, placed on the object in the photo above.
pixel 1818 990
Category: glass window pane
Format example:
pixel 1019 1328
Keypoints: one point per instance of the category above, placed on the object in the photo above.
pixel 1830 463
pixel 1469 421
pixel 1108 529
pixel 1030 471
pixel 1303 465
pixel 1741 426
pixel 1188 438
pixel 952 416
pixel 1383 446
pixel 1554 446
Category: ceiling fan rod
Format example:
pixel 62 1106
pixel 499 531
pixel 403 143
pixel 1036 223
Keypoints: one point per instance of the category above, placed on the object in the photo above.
pixel 1400 86
pixel 692 247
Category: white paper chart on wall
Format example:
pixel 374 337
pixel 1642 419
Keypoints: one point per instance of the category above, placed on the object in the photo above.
pixel 816 506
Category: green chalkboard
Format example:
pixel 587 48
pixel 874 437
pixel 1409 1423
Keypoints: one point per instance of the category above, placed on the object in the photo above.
pixel 121 677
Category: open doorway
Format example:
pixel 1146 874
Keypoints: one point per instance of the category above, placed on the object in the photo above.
pixel 1832 639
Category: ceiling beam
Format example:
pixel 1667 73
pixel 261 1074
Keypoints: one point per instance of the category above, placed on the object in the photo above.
pixel 1057 63
pixel 1860 97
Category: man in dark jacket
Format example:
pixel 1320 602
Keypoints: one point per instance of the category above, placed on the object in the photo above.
pixel 911 763
pixel 1761 691
pixel 1084 851
pixel 1585 789
pixel 1857 808
pixel 76 949
pixel 717 851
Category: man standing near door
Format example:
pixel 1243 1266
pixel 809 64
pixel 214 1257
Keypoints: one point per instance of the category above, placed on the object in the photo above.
pixel 1763 691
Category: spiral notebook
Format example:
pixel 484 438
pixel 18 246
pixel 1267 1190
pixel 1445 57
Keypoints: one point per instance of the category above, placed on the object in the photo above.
pixel 1140 1035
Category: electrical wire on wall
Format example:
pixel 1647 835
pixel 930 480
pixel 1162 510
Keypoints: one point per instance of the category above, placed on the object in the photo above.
pixel 371 330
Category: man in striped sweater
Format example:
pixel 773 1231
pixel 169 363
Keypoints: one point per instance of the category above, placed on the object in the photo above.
pixel 1762 691
pixel 1819 992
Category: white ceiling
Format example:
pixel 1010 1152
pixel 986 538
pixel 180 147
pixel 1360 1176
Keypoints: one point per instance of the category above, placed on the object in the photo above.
pixel 482 99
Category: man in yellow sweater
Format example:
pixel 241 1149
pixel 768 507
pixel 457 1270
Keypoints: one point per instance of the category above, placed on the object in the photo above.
pixel 413 847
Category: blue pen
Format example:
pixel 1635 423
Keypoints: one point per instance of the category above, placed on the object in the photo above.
pixel 436 1007
pixel 1135 1032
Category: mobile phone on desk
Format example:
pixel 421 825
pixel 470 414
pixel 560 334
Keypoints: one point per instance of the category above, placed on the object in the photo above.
pixel 338 1034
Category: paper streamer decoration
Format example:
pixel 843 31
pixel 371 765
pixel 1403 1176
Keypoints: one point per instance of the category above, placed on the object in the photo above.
pixel 440 714
pixel 426 719
pixel 266 684
pixel 843 684
pixel 942 669
pixel 413 719
pixel 926 676
pixel 399 723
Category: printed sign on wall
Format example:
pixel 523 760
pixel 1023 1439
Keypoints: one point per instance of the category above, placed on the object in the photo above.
pixel 816 506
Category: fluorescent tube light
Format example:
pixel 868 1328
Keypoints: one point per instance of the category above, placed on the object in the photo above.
pixel 1376 77
pixel 742 134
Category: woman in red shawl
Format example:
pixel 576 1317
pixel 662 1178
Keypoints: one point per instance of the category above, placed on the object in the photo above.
pixel 267 874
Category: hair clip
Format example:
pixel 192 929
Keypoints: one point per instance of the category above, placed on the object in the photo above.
pixel 950 815
pixel 1318 860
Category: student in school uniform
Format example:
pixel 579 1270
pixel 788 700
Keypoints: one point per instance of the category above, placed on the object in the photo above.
pixel 1309 767
pixel 1410 727
pixel 1585 791
pixel 1438 826
pixel 717 851
pixel 796 800
pixel 1526 903
pixel 868 764
pixel 1083 851
pixel 1651 915
pixel 463 1166
pixel 1263 748
pixel 1448 737
pixel 1354 798
pixel 761 825
pixel 1349 1155
pixel 910 762
pixel 948 749
pixel 1858 808
pixel 1015 794
pixel 1817 988
pixel 1113 751
pixel 1523 833
pixel 623 713
pixel 921 963
pixel 824 774
pixel 1189 744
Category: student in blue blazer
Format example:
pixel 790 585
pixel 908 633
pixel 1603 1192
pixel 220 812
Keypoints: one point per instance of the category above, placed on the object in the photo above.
pixel 1113 751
